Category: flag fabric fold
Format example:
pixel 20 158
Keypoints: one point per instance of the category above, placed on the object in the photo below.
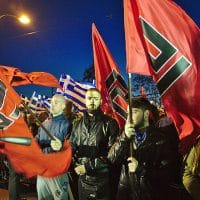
pixel 74 91
pixel 17 78
pixel 166 45
pixel 17 142
pixel 109 80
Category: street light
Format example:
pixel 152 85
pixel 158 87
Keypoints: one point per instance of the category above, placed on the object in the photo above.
pixel 23 19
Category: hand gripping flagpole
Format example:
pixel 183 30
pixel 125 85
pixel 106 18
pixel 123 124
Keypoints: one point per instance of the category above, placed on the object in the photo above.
pixel 131 174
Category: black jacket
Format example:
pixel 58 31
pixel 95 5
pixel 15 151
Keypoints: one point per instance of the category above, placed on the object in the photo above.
pixel 154 171
pixel 91 139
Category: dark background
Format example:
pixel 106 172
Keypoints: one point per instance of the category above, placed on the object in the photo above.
pixel 59 37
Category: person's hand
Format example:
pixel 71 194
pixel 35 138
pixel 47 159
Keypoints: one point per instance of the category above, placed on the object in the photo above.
pixel 80 170
pixel 56 144
pixel 129 129
pixel 132 165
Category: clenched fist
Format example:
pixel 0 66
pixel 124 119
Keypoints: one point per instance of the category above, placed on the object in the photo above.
pixel 56 144
pixel 132 165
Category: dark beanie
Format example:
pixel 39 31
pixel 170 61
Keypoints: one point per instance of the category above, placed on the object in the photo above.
pixel 140 102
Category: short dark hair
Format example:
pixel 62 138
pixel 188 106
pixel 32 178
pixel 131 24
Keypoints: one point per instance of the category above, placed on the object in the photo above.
pixel 140 102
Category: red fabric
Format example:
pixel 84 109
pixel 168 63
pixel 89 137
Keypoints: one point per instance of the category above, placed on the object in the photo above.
pixel 181 99
pixel 104 67
pixel 26 159
pixel 16 78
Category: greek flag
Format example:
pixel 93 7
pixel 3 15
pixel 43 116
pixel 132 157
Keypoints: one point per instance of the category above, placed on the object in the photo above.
pixel 37 102
pixel 74 91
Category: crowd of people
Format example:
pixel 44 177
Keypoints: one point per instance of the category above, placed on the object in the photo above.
pixel 140 162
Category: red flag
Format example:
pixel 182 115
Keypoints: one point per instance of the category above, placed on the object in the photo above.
pixel 109 80
pixel 17 142
pixel 163 41
pixel 16 78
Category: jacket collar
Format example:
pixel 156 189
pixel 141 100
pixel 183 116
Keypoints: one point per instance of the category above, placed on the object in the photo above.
pixel 59 117
pixel 97 116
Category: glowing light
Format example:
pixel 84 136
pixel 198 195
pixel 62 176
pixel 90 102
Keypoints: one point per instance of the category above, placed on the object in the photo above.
pixel 24 19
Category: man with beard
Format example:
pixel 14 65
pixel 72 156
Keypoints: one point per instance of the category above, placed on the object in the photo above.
pixel 150 164
pixel 91 138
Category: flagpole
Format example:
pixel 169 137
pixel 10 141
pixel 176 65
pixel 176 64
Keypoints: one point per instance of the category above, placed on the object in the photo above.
pixel 132 174
pixel 130 109
pixel 38 121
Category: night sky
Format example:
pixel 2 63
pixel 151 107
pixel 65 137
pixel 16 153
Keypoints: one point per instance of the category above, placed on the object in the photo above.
pixel 59 37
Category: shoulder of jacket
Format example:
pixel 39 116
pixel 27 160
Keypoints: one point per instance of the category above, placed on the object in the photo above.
pixel 158 135
pixel 108 118
pixel 46 122
pixel 77 120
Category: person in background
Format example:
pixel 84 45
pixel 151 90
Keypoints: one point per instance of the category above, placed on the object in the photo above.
pixel 72 117
pixel 32 122
pixel 191 171
pixel 43 116
pixel 13 183
pixel 57 187
pixel 166 125
pixel 14 177
pixel 70 114
pixel 146 173
pixel 91 138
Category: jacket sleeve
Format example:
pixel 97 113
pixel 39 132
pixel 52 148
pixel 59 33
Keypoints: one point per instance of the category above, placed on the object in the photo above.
pixel 191 181
pixel 41 140
pixel 119 149
pixel 160 166
pixel 73 138
pixel 102 162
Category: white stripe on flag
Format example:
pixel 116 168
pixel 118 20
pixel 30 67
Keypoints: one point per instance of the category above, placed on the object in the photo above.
pixel 74 90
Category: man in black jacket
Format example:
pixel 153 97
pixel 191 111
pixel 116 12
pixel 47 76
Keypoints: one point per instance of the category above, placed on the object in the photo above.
pixel 91 138
pixel 151 163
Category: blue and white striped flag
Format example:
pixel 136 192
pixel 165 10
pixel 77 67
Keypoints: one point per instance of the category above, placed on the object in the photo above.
pixel 37 102
pixel 74 91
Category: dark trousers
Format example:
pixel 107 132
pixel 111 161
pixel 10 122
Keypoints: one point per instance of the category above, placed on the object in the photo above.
pixel 93 188
pixel 13 183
